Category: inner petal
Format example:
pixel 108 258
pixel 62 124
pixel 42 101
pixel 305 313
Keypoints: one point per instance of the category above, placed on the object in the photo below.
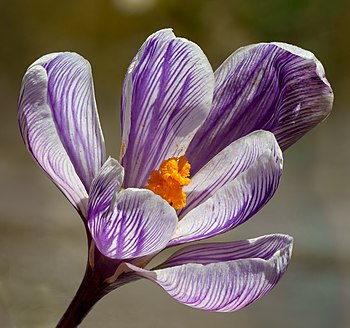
pixel 168 181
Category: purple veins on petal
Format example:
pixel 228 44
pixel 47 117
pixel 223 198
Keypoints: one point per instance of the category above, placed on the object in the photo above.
pixel 274 87
pixel 236 201
pixel 72 100
pixel 105 187
pixel 230 124
pixel 262 247
pixel 59 124
pixel 167 94
pixel 227 165
pixel 137 223
pixel 223 277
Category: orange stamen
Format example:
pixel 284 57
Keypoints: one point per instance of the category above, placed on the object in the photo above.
pixel 168 181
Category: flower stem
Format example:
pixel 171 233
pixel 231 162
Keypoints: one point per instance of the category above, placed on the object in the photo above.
pixel 89 292
pixel 93 287
pixel 100 278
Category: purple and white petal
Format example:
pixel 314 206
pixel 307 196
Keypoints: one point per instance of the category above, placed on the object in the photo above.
pixel 227 165
pixel 59 123
pixel 269 86
pixel 105 187
pixel 263 247
pixel 235 202
pixel 223 277
pixel 167 95
pixel 137 223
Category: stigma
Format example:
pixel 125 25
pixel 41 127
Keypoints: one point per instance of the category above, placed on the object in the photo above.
pixel 168 181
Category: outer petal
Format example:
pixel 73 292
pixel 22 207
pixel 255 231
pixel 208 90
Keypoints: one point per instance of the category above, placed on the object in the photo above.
pixel 167 95
pixel 275 87
pixel 227 165
pixel 223 277
pixel 128 224
pixel 235 202
pixel 59 123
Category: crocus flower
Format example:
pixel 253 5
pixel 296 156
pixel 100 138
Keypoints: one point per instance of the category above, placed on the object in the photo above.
pixel 201 153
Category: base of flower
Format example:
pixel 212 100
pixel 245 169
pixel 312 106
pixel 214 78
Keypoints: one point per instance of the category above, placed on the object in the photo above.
pixel 97 282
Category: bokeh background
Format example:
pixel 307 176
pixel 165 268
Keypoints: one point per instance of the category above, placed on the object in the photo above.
pixel 42 241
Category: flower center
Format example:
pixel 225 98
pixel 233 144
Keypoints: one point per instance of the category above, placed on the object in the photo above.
pixel 167 182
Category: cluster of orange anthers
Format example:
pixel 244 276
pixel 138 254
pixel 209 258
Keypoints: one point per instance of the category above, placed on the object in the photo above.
pixel 168 181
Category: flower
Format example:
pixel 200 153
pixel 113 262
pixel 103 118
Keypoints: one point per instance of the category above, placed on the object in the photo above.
pixel 200 155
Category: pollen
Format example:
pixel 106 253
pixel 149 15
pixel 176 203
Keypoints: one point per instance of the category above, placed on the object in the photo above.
pixel 168 181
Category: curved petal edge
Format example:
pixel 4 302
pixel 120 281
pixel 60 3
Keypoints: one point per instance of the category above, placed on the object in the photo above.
pixel 224 286
pixel 136 223
pixel 267 86
pixel 167 94
pixel 59 123
pixel 235 202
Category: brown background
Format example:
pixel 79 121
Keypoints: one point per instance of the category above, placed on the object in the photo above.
pixel 42 242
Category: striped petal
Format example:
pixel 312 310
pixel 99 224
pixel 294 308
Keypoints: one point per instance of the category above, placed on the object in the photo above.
pixel 167 95
pixel 59 123
pixel 275 87
pixel 223 277
pixel 235 202
pixel 128 224
pixel 104 187
pixel 227 165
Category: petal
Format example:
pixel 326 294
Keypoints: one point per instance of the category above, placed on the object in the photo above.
pixel 167 95
pixel 275 87
pixel 235 202
pixel 223 277
pixel 137 222
pixel 227 165
pixel 263 247
pixel 59 123
pixel 104 187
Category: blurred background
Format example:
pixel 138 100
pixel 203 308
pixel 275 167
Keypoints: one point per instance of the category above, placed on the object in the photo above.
pixel 42 240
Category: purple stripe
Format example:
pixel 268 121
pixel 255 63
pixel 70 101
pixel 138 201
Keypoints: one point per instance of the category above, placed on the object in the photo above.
pixel 228 285
pixel 71 98
pixel 263 247
pixel 262 87
pixel 136 223
pixel 227 165
pixel 234 203
pixel 42 137
pixel 167 95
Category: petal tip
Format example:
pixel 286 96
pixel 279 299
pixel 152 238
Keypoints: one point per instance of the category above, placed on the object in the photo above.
pixel 306 54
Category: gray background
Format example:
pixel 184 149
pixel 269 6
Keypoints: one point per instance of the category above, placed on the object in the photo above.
pixel 42 242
